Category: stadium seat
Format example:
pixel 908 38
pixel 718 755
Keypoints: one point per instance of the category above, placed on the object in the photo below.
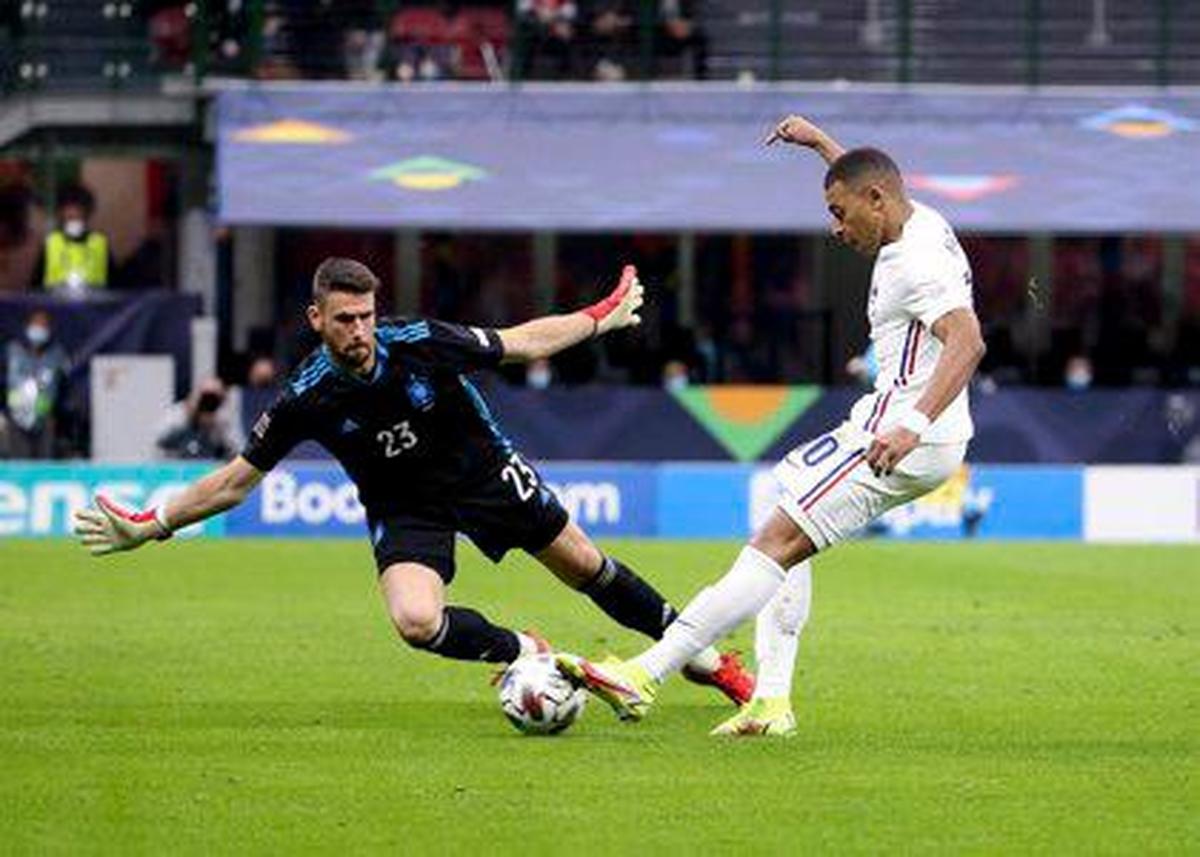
pixel 479 32
pixel 170 33
pixel 422 25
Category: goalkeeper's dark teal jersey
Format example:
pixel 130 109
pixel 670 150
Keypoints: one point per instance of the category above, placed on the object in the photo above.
pixel 413 433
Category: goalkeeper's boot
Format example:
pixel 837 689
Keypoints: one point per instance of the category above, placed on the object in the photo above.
pixel 625 685
pixel 771 717
pixel 730 677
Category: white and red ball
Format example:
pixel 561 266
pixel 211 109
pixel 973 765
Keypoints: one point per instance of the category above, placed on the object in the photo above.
pixel 536 698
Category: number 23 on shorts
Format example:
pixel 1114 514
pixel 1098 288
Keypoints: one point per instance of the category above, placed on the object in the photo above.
pixel 521 476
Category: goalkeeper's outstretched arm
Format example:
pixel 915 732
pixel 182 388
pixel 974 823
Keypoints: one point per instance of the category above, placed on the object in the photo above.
pixel 108 528
pixel 546 336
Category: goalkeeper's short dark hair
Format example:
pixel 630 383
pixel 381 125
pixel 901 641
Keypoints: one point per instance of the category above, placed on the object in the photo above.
pixel 337 274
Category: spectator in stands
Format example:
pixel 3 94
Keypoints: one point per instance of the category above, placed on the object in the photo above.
pixel 546 33
pixel 1129 311
pixel 538 374
pixel 419 45
pixel 1077 376
pixel 150 265
pixel 864 368
pixel 363 46
pixel 1183 429
pixel 202 426
pixel 36 369
pixel 263 373
pixel 74 257
pixel 16 250
pixel 675 376
pixel 612 30
pixel 679 37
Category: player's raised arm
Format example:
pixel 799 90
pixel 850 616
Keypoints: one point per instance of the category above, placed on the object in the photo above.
pixel 800 132
pixel 109 528
pixel 551 334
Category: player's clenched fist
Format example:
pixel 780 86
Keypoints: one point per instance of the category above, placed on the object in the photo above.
pixel 620 308
pixel 109 528
pixel 796 130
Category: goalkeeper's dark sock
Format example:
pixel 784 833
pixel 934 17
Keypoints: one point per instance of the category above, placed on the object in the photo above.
pixel 629 600
pixel 466 635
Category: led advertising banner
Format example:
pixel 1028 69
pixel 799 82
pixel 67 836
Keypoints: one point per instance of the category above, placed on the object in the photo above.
pixel 633 157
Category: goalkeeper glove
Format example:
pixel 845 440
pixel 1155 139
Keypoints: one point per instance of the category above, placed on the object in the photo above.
pixel 109 528
pixel 620 308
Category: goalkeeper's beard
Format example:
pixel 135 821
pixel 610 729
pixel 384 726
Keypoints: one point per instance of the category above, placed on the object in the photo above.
pixel 356 357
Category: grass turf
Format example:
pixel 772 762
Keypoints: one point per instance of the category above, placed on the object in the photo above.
pixel 249 697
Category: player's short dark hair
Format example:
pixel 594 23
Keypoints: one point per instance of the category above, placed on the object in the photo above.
pixel 862 163
pixel 337 274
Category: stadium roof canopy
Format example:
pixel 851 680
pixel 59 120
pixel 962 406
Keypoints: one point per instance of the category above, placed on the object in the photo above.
pixel 598 158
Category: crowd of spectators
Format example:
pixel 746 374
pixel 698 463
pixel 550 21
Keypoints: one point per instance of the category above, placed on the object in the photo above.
pixel 1105 319
pixel 1114 311
pixel 610 40
pixel 437 40
pixel 1103 314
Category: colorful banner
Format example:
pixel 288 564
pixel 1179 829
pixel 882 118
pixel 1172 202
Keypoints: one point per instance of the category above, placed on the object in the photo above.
pixel 747 419
pixel 318 501
pixel 679 157
pixel 41 499
pixel 671 500
pixel 701 500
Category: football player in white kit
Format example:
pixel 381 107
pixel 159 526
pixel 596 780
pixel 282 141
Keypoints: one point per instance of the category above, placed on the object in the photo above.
pixel 898 442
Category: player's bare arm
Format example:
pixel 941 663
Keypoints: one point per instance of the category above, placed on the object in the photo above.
pixel 108 528
pixel 962 349
pixel 551 334
pixel 800 132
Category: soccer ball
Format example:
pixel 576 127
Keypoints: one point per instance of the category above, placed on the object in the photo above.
pixel 537 699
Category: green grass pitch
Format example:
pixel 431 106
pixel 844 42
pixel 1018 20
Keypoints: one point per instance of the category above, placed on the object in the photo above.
pixel 249 697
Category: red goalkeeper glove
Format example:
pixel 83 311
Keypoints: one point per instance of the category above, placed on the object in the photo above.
pixel 109 528
pixel 620 308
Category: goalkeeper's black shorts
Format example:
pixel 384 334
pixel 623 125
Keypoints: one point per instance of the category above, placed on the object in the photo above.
pixel 510 509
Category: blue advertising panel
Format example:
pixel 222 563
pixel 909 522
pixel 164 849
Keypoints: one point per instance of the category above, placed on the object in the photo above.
pixel 607 499
pixel 301 500
pixel 705 501
pixel 317 500
pixel 995 502
pixel 673 500
pixel 41 499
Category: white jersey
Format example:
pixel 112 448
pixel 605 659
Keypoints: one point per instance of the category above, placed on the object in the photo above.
pixel 916 280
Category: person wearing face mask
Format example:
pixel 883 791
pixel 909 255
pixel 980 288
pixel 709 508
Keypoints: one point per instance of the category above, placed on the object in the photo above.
pixel 675 376
pixel 538 374
pixel 36 367
pixel 74 258
pixel 1078 373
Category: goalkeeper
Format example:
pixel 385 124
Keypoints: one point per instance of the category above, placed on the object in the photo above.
pixel 391 402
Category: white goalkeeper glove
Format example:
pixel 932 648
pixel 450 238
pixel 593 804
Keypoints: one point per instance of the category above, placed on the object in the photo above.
pixel 620 308
pixel 108 528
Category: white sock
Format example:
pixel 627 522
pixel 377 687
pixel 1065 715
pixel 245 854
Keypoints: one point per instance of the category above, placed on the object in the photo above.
pixel 714 612
pixel 706 662
pixel 777 633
